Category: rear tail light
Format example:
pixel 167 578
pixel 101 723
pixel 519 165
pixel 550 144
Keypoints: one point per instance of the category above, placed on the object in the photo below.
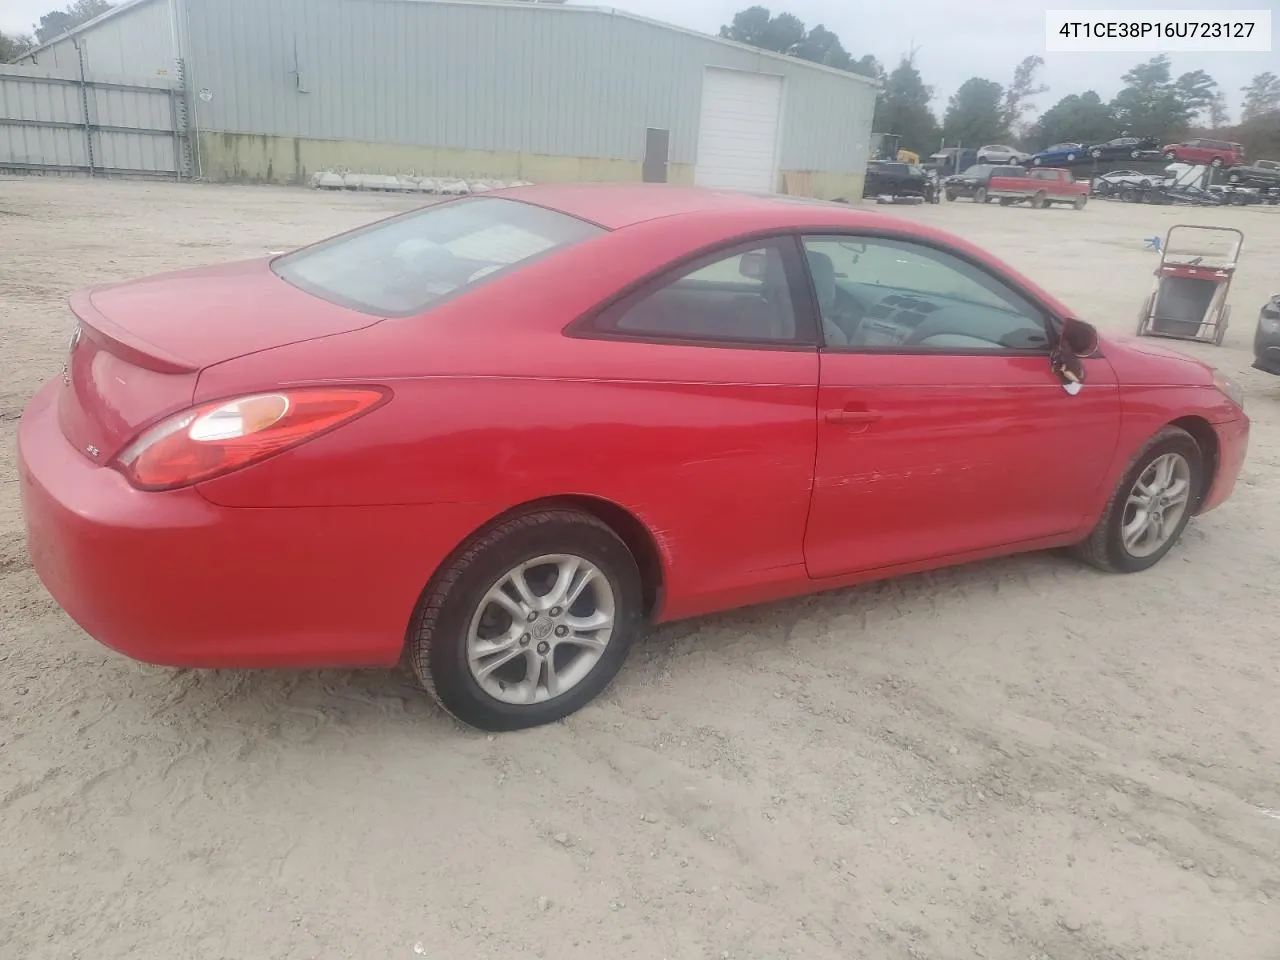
pixel 216 438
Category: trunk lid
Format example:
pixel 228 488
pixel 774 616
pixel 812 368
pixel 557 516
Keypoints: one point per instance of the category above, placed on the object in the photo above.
pixel 139 346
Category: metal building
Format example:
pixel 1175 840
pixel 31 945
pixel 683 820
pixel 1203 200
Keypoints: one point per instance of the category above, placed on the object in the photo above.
pixel 279 89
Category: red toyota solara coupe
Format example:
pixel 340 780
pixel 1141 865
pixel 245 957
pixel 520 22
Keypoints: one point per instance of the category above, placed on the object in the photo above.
pixel 499 435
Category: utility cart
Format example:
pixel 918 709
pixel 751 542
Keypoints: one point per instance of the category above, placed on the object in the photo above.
pixel 1188 300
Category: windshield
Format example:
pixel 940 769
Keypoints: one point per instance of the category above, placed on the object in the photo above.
pixel 400 267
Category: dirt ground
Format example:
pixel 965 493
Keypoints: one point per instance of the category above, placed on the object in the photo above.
pixel 1016 759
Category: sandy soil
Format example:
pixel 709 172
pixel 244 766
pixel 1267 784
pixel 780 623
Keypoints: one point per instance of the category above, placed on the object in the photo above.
pixel 1018 759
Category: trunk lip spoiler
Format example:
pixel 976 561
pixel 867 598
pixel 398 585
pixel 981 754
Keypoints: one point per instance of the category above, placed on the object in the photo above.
pixel 142 353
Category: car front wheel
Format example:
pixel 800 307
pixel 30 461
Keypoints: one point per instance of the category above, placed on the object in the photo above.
pixel 529 621
pixel 1150 508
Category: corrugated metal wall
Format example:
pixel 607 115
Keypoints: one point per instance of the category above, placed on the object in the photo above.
pixel 501 77
pixel 135 42
pixel 129 128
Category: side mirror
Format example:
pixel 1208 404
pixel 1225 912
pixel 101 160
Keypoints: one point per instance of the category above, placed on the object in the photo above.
pixel 1081 337
pixel 1077 341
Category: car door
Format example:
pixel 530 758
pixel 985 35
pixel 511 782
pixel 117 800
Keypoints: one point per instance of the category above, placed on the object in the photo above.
pixel 941 428
pixel 703 406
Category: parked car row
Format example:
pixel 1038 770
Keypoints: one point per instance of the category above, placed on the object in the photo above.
pixel 1203 152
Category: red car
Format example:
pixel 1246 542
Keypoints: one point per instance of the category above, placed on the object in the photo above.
pixel 499 435
pixel 1214 153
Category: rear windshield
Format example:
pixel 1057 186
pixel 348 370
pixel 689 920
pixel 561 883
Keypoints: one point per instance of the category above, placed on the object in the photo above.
pixel 399 267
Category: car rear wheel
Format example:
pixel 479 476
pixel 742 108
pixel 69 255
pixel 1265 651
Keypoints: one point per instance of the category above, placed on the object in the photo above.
pixel 1040 201
pixel 528 622
pixel 1233 178
pixel 1080 201
pixel 980 195
pixel 1135 154
pixel 1071 157
pixel 1216 163
pixel 1170 155
pixel 1150 508
pixel 1096 154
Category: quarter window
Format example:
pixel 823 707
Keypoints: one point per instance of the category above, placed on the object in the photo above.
pixel 743 295
pixel 901 297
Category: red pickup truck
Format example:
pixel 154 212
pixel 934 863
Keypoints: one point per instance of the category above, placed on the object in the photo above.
pixel 1042 186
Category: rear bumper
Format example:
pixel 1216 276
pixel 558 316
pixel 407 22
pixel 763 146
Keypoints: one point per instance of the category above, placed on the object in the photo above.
pixel 1233 445
pixel 172 579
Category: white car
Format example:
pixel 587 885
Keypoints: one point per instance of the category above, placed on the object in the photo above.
pixel 1001 154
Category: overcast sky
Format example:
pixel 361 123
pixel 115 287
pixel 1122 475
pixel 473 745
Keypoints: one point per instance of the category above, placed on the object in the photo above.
pixel 955 39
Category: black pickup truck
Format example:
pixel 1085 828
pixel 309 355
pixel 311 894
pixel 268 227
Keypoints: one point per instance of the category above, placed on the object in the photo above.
pixel 890 178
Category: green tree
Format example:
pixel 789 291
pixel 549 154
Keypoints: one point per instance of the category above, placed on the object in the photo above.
pixel 1153 104
pixel 1078 118
pixel 786 33
pixel 1261 96
pixel 974 114
pixel 1198 93
pixel 12 46
pixel 903 108
pixel 1017 96
pixel 820 45
pixel 759 28
pixel 1217 111
pixel 868 66
pixel 57 22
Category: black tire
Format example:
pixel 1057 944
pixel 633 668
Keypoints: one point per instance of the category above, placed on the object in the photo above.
pixel 1233 178
pixel 1040 201
pixel 1080 201
pixel 980 195
pixel 1071 158
pixel 1104 547
pixel 951 195
pixel 1096 154
pixel 1170 155
pixel 1035 161
pixel 1134 154
pixel 438 633
pixel 1216 163
pixel 1128 194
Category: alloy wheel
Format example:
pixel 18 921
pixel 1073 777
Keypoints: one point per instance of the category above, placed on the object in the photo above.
pixel 1155 505
pixel 540 629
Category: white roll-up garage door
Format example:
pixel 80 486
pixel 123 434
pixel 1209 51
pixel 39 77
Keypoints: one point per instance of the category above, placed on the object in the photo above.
pixel 738 133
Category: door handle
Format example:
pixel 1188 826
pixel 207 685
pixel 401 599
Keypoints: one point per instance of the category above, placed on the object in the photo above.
pixel 850 417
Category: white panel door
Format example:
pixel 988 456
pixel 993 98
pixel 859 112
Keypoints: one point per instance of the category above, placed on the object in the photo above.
pixel 738 133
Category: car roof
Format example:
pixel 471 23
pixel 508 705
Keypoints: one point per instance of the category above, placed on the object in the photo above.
pixel 618 205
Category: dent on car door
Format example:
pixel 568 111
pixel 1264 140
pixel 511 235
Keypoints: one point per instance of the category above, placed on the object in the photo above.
pixel 942 429
pixel 705 397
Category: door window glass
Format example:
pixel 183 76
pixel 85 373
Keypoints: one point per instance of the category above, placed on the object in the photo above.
pixel 906 297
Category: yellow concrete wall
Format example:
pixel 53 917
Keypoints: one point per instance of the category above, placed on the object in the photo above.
pixel 257 158
pixel 247 157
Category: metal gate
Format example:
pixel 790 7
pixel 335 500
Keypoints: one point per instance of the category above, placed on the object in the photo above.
pixel 58 123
